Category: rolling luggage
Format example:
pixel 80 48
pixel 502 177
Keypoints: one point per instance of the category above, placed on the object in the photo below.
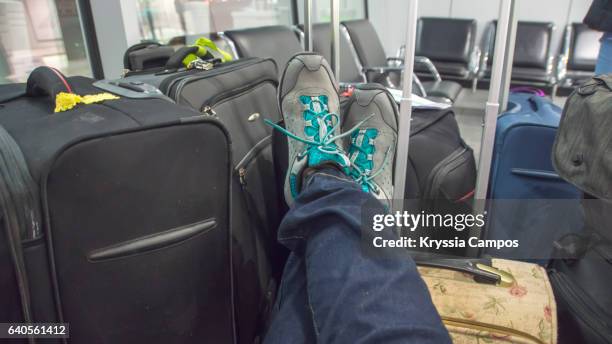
pixel 519 309
pixel 441 173
pixel 442 168
pixel 115 214
pixel 581 154
pixel 240 94
pixel 529 201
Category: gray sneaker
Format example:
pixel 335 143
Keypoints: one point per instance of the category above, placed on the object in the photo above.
pixel 309 103
pixel 371 148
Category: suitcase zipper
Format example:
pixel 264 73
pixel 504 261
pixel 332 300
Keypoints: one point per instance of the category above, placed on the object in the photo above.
pixel 589 315
pixel 446 165
pixel 227 67
pixel 208 111
pixel 229 94
pixel 167 84
pixel 478 326
pixel 242 175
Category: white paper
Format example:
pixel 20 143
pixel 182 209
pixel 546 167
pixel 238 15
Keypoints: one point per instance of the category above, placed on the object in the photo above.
pixel 418 102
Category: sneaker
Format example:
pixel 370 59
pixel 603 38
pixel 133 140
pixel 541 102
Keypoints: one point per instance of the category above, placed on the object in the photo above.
pixel 309 103
pixel 371 148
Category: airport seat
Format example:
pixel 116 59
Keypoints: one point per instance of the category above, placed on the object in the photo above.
pixel 350 70
pixel 533 60
pixel 370 52
pixel 579 55
pixel 450 45
pixel 278 42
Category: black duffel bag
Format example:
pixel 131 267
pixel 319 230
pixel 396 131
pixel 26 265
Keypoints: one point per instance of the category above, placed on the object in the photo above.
pixel 582 271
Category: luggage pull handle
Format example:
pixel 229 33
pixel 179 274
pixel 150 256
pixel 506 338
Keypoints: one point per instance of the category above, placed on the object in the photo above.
pixel 176 60
pixel 135 47
pixel 46 81
pixel 481 269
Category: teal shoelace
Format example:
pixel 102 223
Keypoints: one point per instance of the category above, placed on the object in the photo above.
pixel 361 152
pixel 320 132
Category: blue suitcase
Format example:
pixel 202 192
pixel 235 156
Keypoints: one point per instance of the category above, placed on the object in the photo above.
pixel 529 201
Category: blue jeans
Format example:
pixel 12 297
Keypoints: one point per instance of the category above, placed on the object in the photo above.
pixel 604 60
pixel 331 291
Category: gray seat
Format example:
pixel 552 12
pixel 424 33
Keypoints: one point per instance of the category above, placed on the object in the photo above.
pixel 579 57
pixel 350 71
pixel 371 55
pixel 533 61
pixel 450 44
pixel 278 42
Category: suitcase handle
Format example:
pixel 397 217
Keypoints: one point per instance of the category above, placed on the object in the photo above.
pixel 480 269
pixel 176 60
pixel 135 47
pixel 538 103
pixel 46 81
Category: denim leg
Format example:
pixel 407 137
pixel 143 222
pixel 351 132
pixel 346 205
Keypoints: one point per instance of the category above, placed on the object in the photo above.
pixel 291 316
pixel 355 297
pixel 604 60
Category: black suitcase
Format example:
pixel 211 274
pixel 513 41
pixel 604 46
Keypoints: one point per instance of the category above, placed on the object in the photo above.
pixel 580 276
pixel 441 173
pixel 240 94
pixel 115 216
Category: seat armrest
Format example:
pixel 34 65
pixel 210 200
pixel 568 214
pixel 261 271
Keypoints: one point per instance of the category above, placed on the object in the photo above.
pixel 550 68
pixel 474 64
pixel 395 61
pixel 401 52
pixel 420 90
pixel 561 70
pixel 384 69
pixel 484 60
pixel 429 65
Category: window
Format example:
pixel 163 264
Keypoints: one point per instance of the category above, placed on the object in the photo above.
pixel 163 20
pixel 40 32
pixel 321 10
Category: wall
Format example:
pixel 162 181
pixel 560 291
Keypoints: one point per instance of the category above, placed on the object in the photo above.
pixel 388 16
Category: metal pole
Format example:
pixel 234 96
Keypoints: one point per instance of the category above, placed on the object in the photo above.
pixel 507 73
pixel 492 105
pixel 335 37
pixel 401 160
pixel 308 25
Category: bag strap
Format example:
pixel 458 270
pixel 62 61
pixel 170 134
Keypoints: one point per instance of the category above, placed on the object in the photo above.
pixel 210 45
pixel 201 51
pixel 20 212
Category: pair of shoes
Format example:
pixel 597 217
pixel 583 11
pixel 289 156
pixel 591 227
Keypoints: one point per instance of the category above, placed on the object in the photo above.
pixel 362 142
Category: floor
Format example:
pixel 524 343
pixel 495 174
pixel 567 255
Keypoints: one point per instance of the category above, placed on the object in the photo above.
pixel 469 111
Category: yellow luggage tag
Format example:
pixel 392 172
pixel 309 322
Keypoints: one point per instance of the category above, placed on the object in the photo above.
pixel 205 47
pixel 66 101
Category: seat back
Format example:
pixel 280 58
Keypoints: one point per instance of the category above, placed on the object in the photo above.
pixel 367 44
pixel 277 42
pixel 446 39
pixel 350 68
pixel 583 47
pixel 532 47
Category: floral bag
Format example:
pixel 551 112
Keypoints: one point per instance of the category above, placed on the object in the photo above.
pixel 520 310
